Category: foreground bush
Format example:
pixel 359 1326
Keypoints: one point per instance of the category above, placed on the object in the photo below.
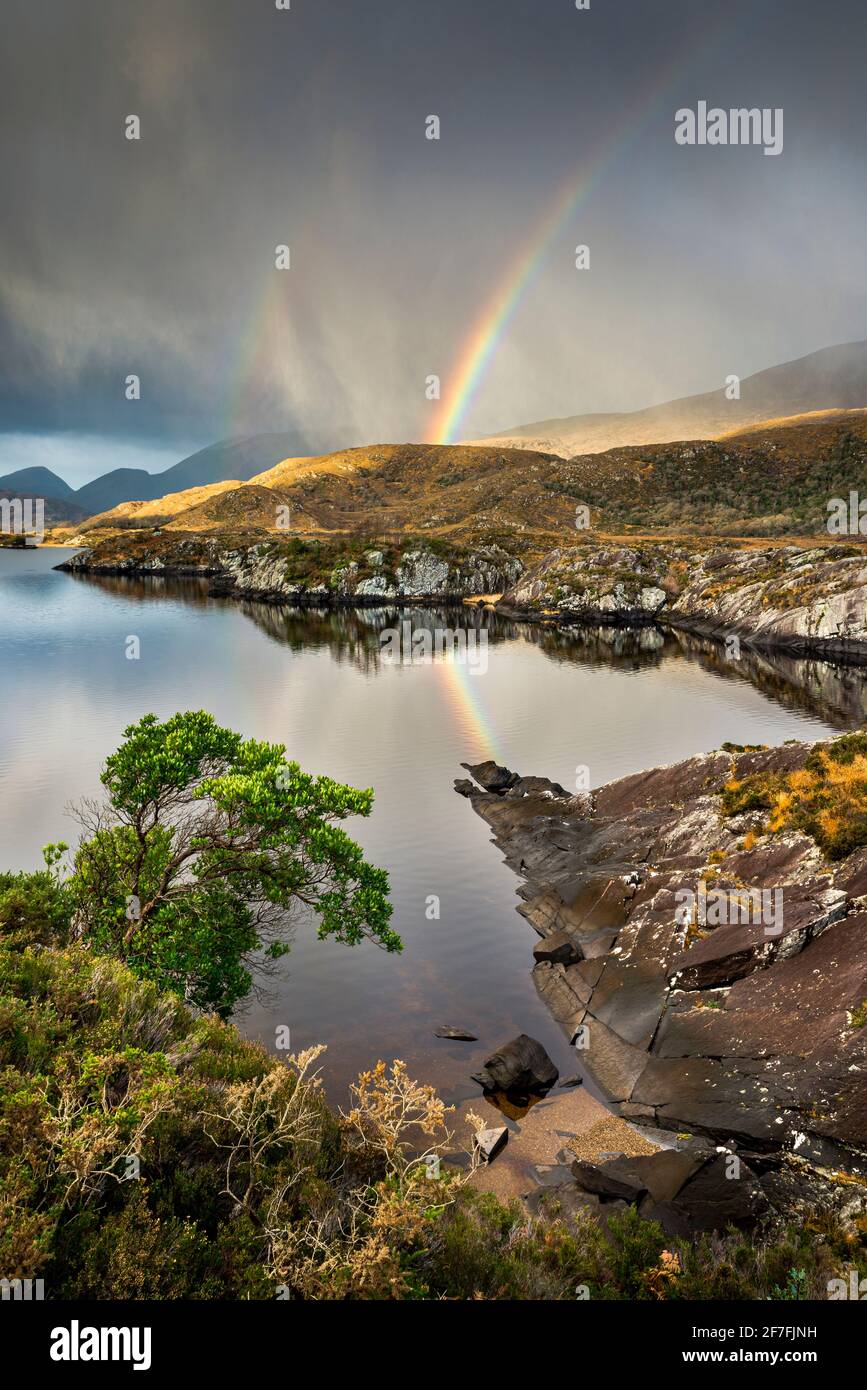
pixel 146 1152
pixel 205 846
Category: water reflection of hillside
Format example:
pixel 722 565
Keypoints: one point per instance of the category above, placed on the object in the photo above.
pixel 835 693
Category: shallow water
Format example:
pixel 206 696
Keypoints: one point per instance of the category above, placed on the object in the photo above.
pixel 547 703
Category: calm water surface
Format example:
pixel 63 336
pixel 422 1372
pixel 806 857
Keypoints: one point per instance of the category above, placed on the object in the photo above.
pixel 547 703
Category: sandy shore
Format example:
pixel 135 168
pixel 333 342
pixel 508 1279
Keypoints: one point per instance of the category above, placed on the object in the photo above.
pixel 570 1119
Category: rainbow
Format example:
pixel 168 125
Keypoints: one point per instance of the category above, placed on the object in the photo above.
pixel 488 331
pixel 462 688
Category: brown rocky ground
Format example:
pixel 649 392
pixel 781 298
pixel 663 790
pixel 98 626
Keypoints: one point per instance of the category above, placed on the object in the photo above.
pixel 754 1038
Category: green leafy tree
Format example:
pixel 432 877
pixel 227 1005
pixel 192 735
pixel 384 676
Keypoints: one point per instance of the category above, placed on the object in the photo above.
pixel 207 849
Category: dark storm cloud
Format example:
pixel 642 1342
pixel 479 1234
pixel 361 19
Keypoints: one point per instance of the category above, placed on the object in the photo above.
pixel 307 127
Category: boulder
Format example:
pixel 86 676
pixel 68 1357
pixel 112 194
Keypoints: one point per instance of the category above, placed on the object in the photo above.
pixel 711 1200
pixel 491 777
pixel 521 1066
pixel 455 1034
pixel 661 1175
pixel 489 1142
pixel 558 949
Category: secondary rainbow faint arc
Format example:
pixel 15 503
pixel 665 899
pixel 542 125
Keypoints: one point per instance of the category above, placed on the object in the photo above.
pixel 488 331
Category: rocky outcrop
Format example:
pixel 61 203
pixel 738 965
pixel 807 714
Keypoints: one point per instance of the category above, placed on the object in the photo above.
pixel 191 555
pixel 790 597
pixel 693 1003
pixel 306 573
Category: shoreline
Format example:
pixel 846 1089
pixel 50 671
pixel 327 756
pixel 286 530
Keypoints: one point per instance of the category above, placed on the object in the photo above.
pixel 839 651
pixel 733 1036
pixel 844 651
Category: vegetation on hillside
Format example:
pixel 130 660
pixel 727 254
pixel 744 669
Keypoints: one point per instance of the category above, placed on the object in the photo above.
pixel 826 799
pixel 151 1152
pixel 772 481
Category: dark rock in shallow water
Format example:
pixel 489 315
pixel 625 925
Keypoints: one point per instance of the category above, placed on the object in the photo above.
pixel 521 1067
pixel 558 948
pixel 464 787
pixel 455 1034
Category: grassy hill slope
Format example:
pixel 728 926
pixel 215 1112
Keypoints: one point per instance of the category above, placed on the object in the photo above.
pixel 774 479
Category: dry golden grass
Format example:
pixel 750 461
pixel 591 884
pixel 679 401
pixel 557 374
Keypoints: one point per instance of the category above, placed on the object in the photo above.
pixel 827 798
pixel 809 417
pixel 162 509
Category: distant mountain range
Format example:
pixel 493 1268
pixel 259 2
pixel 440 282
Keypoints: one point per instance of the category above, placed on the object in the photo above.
pixel 833 378
pixel 230 459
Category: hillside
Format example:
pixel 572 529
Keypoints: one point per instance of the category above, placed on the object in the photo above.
pixel 157 511
pixel 833 378
pixel 383 489
pixel 771 480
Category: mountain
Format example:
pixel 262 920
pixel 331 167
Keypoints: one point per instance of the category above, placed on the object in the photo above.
pixel 217 463
pixel 35 482
pixel 772 479
pixel 833 378
pixel 120 485
pixel 435 489
pixel 228 460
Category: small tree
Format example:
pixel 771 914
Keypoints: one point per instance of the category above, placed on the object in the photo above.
pixel 206 849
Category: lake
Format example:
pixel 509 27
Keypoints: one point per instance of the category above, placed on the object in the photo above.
pixel 547 703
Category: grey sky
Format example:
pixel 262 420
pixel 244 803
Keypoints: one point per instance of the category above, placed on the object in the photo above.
pixel 307 127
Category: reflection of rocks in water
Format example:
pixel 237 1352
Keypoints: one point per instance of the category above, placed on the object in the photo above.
pixel 602 646
pixel 513 1107
pixel 358 635
pixel 833 692
pixel 142 587
pixel 837 694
